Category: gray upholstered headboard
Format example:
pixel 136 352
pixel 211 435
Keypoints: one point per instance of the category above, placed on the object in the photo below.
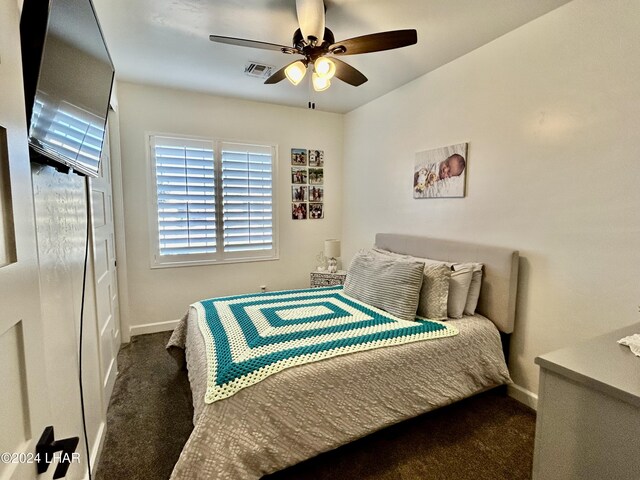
pixel 500 279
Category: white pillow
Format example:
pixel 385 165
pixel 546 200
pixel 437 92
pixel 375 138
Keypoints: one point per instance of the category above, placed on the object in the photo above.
pixel 458 290
pixel 474 288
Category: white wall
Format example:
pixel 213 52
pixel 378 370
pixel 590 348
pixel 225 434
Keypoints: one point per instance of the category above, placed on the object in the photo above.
pixel 60 203
pixel 161 295
pixel 551 111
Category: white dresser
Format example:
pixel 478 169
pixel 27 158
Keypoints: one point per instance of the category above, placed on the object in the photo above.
pixel 588 423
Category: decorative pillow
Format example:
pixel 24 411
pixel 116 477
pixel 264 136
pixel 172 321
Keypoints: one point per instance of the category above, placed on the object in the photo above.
pixel 474 289
pixel 434 292
pixel 389 284
pixel 459 290
pixel 435 285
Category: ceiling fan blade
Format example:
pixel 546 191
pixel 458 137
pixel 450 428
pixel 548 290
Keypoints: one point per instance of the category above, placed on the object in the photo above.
pixel 242 42
pixel 278 76
pixel 375 42
pixel 311 18
pixel 348 74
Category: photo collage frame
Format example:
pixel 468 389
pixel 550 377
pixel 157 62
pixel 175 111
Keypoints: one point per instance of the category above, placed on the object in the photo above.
pixel 307 184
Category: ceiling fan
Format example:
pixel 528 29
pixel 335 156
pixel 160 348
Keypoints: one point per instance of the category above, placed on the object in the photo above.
pixel 319 49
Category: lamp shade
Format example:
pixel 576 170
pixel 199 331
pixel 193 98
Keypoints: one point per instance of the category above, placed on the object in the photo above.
pixel 320 84
pixel 295 72
pixel 332 248
pixel 325 68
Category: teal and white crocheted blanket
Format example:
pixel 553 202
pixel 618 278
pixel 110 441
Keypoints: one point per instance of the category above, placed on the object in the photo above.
pixel 250 337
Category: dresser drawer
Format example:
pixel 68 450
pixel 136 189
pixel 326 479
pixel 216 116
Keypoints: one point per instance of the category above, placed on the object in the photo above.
pixel 324 279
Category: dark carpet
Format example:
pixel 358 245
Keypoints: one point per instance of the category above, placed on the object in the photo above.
pixel 489 436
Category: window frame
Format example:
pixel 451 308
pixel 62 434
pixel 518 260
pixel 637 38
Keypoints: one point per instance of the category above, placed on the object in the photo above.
pixel 219 257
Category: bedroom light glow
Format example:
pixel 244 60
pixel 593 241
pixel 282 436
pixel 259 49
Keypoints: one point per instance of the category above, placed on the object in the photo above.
pixel 320 84
pixel 325 68
pixel 295 72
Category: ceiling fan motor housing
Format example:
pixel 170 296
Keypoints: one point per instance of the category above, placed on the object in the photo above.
pixel 312 51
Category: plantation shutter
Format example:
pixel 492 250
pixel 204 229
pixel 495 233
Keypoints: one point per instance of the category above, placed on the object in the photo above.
pixel 247 189
pixel 185 188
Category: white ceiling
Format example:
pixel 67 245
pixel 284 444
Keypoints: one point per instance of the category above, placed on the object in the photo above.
pixel 166 42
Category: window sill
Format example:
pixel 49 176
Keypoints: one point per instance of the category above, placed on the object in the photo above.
pixel 199 263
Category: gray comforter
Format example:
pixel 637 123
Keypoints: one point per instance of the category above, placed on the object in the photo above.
pixel 309 409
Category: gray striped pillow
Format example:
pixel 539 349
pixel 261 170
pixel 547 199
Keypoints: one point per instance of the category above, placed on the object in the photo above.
pixel 435 285
pixel 388 284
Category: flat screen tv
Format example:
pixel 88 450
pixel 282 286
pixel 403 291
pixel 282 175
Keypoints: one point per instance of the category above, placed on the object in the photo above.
pixel 68 76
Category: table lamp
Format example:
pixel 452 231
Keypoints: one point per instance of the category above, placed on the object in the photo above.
pixel 331 251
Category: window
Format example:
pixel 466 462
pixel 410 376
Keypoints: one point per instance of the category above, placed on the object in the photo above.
pixel 213 201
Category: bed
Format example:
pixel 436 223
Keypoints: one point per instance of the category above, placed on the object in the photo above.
pixel 311 408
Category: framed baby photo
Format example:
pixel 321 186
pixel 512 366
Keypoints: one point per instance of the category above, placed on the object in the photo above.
pixel 441 172
pixel 298 156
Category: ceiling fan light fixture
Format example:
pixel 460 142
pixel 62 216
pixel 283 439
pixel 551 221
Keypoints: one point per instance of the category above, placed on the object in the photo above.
pixel 296 72
pixel 325 67
pixel 320 84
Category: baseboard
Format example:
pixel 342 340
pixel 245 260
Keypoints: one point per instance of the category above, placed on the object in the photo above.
pixel 523 395
pixel 98 445
pixel 153 327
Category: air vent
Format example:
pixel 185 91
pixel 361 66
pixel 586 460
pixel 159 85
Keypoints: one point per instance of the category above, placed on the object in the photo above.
pixel 258 70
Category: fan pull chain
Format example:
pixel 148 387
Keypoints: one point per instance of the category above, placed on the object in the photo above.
pixel 311 104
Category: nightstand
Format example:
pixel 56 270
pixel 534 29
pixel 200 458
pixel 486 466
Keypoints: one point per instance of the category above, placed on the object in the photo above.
pixel 326 279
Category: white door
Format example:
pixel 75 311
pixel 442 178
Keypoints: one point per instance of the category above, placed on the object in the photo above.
pixel 24 406
pixel 104 258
